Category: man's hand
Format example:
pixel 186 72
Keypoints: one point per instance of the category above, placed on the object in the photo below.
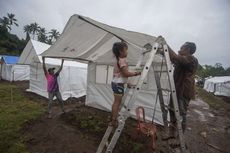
pixel 161 40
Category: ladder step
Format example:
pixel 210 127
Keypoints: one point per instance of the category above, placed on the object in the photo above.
pixel 158 71
pixel 166 89
pixel 104 139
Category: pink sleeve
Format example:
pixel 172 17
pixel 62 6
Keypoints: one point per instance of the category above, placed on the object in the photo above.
pixel 122 62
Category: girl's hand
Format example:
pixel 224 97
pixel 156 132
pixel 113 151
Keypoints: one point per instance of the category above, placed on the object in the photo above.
pixel 137 73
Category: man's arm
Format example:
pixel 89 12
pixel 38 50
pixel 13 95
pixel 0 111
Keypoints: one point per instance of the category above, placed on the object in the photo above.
pixel 60 67
pixel 44 65
pixel 173 56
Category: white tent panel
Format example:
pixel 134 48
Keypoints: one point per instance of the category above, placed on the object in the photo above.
pixel 72 79
pixel 218 85
pixel 12 72
pixel 100 95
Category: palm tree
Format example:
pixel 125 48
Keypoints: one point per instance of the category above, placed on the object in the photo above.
pixel 34 28
pixel 27 30
pixel 4 22
pixel 54 34
pixel 12 20
pixel 42 35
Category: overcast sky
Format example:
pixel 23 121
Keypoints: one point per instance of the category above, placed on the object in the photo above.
pixel 205 22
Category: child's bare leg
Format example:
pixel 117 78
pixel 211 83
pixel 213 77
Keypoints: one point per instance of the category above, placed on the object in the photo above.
pixel 115 108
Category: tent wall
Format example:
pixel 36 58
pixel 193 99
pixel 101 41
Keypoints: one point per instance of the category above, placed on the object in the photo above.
pixel 72 81
pixel 13 72
pixel 219 86
pixel 100 95
pixel 27 55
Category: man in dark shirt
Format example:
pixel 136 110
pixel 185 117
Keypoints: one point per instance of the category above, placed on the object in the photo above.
pixel 184 77
pixel 185 66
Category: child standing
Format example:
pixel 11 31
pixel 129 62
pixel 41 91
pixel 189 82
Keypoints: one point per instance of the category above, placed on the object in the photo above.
pixel 120 77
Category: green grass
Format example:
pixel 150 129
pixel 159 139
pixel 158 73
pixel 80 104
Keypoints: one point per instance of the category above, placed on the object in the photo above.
pixel 15 110
pixel 214 101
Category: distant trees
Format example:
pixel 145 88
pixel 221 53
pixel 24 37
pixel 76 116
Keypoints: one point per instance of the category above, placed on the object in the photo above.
pixel 54 34
pixel 39 33
pixel 216 70
pixel 10 44
pixel 7 21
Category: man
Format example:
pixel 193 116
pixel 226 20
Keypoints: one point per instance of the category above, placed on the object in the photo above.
pixel 185 65
pixel 52 86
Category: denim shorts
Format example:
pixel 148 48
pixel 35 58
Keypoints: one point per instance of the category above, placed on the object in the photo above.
pixel 118 88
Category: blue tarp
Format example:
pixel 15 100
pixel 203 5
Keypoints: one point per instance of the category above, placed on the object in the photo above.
pixel 10 59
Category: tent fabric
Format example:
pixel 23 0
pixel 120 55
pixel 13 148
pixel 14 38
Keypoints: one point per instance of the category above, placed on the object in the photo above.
pixel 31 51
pixel 11 71
pixel 72 79
pixel 218 85
pixel 88 40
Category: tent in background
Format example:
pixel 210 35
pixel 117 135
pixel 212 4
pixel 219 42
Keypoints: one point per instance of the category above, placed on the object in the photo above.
pixel 11 71
pixel 72 79
pixel 218 85
pixel 85 39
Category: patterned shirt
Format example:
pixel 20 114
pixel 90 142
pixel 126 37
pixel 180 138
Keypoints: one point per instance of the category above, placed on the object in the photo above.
pixel 52 83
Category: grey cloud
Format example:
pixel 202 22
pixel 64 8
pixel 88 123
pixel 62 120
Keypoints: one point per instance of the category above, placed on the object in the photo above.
pixel 205 22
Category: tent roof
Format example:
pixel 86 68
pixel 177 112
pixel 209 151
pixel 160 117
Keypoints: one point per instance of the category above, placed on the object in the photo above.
pixel 221 79
pixel 33 50
pixel 86 39
pixel 39 47
pixel 10 59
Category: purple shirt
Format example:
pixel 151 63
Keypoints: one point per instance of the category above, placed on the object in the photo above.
pixel 52 84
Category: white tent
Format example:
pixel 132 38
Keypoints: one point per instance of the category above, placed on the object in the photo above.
pixel 72 79
pixel 218 85
pixel 11 71
pixel 88 40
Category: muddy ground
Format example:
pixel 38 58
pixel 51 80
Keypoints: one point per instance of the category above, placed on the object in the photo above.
pixel 81 129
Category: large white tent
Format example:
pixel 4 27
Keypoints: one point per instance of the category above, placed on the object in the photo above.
pixel 218 85
pixel 72 79
pixel 88 40
pixel 11 71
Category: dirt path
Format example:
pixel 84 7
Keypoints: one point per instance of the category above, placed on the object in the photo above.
pixel 208 129
pixel 81 129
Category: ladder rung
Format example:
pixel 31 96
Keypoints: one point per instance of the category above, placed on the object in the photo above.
pixel 158 71
pixel 166 89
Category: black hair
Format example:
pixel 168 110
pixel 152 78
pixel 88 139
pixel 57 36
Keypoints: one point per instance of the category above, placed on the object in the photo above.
pixel 117 48
pixel 191 46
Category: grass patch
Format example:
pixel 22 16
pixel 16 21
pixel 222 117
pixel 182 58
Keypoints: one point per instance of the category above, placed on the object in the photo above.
pixel 15 110
pixel 214 101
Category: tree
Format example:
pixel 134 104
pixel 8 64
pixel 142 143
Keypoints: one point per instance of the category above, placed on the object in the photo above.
pixel 12 20
pixel 42 35
pixel 4 22
pixel 34 28
pixel 27 29
pixel 54 34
